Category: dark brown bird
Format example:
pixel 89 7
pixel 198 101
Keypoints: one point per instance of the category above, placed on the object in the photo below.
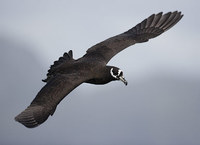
pixel 67 73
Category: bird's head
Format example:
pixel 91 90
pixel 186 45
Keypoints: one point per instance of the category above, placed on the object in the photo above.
pixel 117 74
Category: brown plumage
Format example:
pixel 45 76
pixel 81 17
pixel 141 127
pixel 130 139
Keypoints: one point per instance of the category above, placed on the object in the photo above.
pixel 67 73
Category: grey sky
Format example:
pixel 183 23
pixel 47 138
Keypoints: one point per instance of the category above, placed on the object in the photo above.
pixel 160 106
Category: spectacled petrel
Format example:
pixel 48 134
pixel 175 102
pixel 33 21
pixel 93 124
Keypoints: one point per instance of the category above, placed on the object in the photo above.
pixel 67 73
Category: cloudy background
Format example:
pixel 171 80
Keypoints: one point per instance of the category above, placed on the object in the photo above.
pixel 160 105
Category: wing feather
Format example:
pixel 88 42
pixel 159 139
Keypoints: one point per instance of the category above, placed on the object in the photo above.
pixel 48 98
pixel 149 28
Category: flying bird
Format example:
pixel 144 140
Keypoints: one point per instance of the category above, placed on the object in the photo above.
pixel 68 73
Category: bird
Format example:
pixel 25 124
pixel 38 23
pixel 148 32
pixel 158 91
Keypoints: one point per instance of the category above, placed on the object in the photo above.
pixel 68 73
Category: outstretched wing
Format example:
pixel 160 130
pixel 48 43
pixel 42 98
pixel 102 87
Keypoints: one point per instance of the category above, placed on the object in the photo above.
pixel 48 98
pixel 151 27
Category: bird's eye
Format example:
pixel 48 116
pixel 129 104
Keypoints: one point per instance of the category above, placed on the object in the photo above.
pixel 116 73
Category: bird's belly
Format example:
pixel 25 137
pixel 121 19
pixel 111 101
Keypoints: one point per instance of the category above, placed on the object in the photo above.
pixel 97 81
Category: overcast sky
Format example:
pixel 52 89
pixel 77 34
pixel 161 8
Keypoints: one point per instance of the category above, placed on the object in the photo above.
pixel 160 105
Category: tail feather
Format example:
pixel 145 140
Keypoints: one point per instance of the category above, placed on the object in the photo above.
pixel 67 57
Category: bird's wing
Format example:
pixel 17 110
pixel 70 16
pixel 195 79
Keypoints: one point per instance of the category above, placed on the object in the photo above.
pixel 48 98
pixel 151 27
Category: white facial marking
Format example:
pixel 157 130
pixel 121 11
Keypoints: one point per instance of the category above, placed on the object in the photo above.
pixel 119 71
pixel 112 74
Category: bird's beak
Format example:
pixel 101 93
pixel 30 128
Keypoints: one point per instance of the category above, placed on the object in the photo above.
pixel 123 80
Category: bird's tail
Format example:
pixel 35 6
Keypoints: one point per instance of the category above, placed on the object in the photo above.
pixel 67 57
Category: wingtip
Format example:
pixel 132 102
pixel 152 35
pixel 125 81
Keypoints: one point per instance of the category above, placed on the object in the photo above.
pixel 179 13
pixel 26 119
pixel 159 14
pixel 32 116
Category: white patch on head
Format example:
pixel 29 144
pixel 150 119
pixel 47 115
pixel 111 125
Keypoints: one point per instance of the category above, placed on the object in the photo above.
pixel 118 73
pixel 112 74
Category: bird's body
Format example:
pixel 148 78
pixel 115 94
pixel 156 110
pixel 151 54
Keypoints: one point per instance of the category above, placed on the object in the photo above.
pixel 67 73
